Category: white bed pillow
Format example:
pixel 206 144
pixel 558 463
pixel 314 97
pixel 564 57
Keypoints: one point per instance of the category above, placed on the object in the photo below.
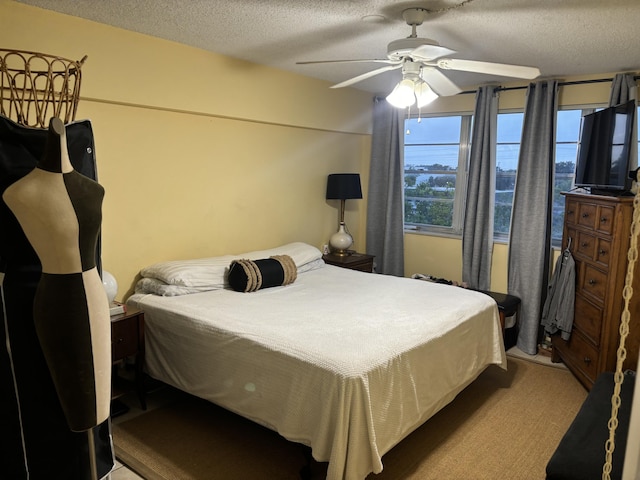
pixel 211 272
pixel 158 287
pixel 199 272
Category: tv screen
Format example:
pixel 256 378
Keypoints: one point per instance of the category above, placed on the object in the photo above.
pixel 605 146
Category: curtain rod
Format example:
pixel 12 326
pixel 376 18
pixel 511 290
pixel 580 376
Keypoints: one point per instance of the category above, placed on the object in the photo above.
pixel 560 84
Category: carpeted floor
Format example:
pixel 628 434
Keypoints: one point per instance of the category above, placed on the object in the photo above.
pixel 505 425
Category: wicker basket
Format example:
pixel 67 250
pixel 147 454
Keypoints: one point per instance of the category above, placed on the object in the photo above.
pixel 34 87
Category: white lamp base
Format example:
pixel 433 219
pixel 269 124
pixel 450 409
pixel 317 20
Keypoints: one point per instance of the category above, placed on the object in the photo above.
pixel 110 286
pixel 340 241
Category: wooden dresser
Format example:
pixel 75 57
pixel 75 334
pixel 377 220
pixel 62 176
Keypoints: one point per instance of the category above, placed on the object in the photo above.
pixel 597 231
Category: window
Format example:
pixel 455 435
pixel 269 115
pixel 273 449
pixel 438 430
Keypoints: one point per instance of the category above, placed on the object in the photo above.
pixel 435 159
pixel 508 138
pixel 436 153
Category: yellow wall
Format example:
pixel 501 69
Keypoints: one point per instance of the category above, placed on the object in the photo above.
pixel 201 154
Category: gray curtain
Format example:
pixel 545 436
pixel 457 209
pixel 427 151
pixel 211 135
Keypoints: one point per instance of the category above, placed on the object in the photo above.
pixel 624 88
pixel 477 235
pixel 385 212
pixel 530 237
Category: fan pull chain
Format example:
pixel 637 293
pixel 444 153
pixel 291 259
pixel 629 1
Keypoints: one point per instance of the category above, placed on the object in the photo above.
pixel 627 293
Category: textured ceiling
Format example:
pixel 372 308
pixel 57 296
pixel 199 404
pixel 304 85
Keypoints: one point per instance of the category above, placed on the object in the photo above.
pixel 561 37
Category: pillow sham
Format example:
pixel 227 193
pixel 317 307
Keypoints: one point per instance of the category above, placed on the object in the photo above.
pixel 252 275
pixel 211 272
pixel 158 287
pixel 200 272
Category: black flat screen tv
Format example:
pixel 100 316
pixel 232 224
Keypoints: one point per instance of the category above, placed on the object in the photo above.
pixel 603 160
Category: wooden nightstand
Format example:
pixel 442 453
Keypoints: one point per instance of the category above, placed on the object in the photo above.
pixel 355 261
pixel 127 340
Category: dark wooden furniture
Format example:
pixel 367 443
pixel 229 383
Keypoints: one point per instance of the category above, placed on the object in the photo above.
pixel 597 232
pixel 355 261
pixel 508 305
pixel 127 340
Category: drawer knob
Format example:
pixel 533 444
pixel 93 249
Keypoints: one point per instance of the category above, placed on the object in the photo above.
pixel 585 244
pixel 585 215
pixel 592 281
pixel 587 360
pixel 604 220
pixel 120 340
pixel 603 252
pixel 569 212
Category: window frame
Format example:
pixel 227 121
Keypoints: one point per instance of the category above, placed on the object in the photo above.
pixel 455 230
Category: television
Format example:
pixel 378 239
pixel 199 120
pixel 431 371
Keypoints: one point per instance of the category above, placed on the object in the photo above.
pixel 604 155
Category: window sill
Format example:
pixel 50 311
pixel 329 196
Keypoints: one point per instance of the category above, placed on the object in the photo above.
pixel 497 241
pixel 433 233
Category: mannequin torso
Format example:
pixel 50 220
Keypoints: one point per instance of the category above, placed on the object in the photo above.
pixel 59 211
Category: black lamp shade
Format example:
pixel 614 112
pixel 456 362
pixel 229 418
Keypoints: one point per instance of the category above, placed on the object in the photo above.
pixel 343 186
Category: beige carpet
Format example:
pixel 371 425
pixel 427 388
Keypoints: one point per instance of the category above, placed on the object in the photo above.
pixel 506 425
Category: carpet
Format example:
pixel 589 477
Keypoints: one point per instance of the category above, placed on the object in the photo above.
pixel 505 425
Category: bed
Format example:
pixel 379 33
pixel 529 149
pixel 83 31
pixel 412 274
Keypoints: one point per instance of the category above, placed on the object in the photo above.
pixel 345 362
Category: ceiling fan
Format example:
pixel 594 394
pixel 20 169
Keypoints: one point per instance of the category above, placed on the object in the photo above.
pixel 420 60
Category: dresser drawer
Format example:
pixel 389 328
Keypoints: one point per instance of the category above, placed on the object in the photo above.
pixel 588 319
pixel 593 282
pixel 604 220
pixel 124 339
pixel 587 215
pixel 586 245
pixel 582 355
pixel 603 249
pixel 571 212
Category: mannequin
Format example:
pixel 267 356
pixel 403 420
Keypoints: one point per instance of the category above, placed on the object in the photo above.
pixel 59 211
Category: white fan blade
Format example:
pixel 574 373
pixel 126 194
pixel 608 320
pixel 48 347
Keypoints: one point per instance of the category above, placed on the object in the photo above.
pixel 393 62
pixel 502 69
pixel 364 76
pixel 430 52
pixel 438 82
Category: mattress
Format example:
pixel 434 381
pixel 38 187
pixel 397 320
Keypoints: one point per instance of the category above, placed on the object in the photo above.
pixel 346 362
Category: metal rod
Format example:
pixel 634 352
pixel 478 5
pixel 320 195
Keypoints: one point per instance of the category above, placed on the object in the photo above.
pixel 92 455
pixel 560 84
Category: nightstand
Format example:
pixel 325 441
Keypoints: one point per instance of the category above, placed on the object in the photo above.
pixel 355 261
pixel 127 340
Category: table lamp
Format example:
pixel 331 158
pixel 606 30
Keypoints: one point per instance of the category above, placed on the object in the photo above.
pixel 342 186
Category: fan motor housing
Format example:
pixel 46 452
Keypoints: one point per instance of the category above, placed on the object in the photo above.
pixel 398 49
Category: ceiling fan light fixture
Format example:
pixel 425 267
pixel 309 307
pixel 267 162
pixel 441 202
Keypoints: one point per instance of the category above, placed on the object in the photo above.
pixel 403 95
pixel 424 94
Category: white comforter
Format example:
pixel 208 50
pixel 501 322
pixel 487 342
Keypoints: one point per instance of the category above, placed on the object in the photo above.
pixel 346 362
